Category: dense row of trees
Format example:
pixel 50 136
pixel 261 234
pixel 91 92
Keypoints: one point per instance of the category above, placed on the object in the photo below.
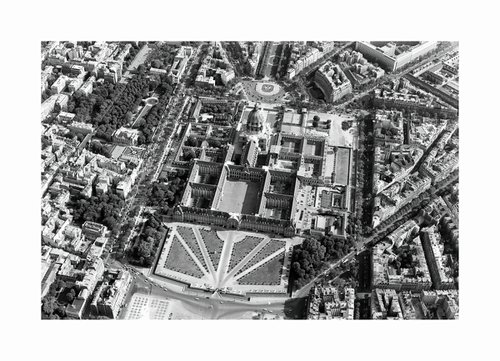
pixel 216 91
pixel 285 61
pixel 104 209
pixel 125 232
pixel 364 201
pixel 213 108
pixel 144 250
pixel 409 211
pixel 312 256
pixel 220 112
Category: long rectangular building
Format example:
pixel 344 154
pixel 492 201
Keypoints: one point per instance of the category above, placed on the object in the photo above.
pixel 394 55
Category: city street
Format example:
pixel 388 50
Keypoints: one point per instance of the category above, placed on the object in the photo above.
pixel 156 151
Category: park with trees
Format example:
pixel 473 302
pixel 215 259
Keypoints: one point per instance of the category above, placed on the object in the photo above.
pixel 107 106
pixel 312 256
pixel 166 193
pixel 221 112
pixel 103 208
pixel 143 252
pixel 153 119
pixel 162 196
pixel 364 199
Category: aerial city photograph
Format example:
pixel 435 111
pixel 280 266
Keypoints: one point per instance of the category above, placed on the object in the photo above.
pixel 249 180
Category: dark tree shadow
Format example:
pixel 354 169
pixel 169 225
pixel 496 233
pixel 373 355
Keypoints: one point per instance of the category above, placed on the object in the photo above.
pixel 295 308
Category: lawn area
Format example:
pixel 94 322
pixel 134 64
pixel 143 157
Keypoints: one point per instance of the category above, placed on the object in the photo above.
pixel 179 260
pixel 342 166
pixel 242 249
pixel 267 274
pixel 266 251
pixel 187 234
pixel 213 244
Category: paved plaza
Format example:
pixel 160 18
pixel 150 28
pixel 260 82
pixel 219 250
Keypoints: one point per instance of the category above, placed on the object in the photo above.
pixel 147 307
pixel 240 197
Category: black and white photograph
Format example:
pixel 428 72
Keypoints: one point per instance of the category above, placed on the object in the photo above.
pixel 249 180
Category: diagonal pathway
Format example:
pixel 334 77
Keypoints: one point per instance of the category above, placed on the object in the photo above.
pixel 225 258
pixel 205 254
pixel 213 244
pixel 260 263
pixel 242 249
pixel 271 247
pixel 187 234
pixel 244 261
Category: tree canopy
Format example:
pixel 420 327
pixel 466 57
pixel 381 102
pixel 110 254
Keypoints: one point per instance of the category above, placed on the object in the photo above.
pixel 311 257
pixel 144 250
pixel 166 195
pixel 107 106
pixel 104 208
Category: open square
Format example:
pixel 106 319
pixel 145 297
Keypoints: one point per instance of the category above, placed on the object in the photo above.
pixel 240 197
pixel 342 165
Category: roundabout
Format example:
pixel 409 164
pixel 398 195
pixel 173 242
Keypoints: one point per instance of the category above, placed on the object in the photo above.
pixel 267 89
pixel 263 91
pixel 151 101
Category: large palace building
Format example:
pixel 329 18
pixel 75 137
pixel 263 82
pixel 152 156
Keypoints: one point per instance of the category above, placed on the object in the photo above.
pixel 265 180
